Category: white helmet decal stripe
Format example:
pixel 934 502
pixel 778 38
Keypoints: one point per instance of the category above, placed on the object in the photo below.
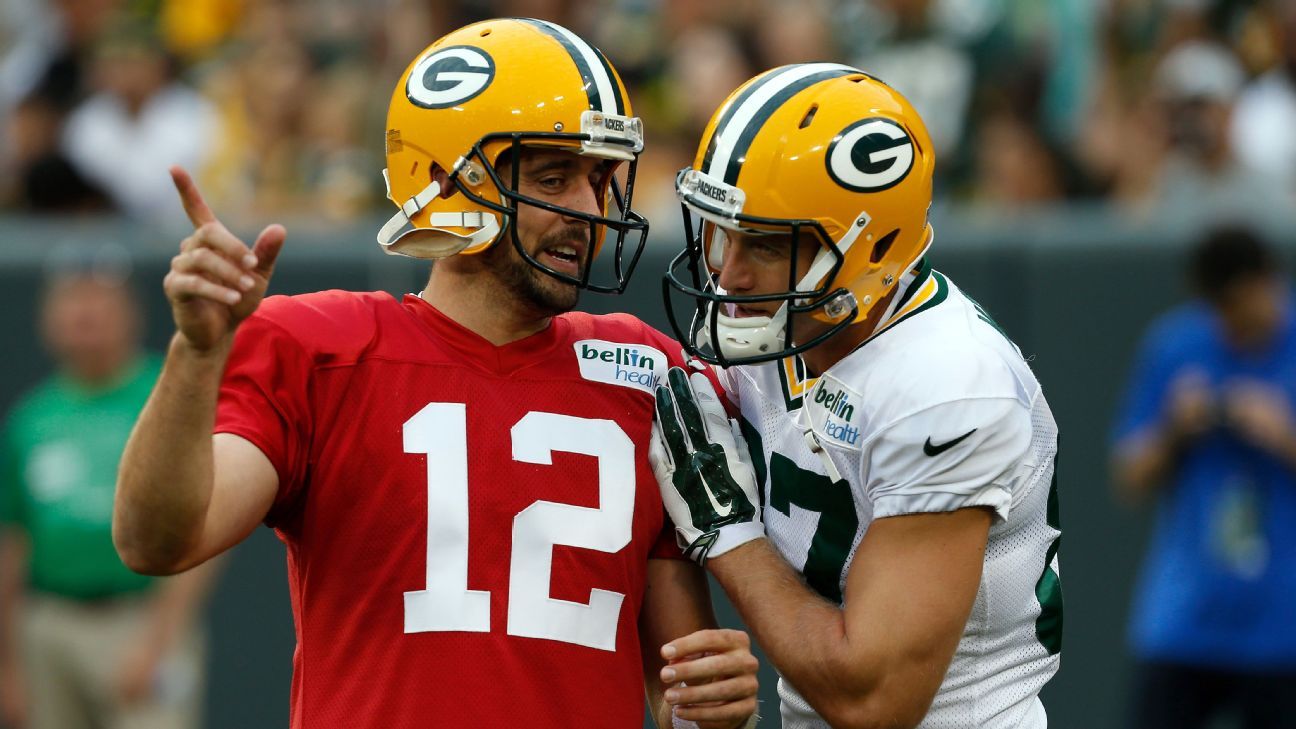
pixel 728 138
pixel 604 90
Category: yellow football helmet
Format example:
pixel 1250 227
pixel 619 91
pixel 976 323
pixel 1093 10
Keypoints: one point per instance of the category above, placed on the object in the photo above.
pixel 826 153
pixel 494 87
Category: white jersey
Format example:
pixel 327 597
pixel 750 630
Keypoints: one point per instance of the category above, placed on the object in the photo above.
pixel 936 412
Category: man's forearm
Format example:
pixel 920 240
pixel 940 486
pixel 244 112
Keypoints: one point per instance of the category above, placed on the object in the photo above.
pixel 165 479
pixel 804 635
pixel 1143 462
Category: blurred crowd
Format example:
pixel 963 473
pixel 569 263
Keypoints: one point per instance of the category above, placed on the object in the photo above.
pixel 278 105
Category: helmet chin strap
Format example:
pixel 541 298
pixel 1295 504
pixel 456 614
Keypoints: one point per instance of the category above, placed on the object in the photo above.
pixel 745 336
pixel 443 242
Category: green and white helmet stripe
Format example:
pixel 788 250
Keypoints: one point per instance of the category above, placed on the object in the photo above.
pixel 740 123
pixel 600 84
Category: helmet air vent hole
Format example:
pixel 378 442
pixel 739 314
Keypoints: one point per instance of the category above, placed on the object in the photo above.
pixel 809 117
pixel 881 247
pixel 413 168
pixel 485 33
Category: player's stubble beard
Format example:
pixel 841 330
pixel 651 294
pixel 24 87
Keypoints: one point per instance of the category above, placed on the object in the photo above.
pixel 543 293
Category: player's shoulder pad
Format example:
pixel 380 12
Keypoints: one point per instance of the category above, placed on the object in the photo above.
pixel 328 324
pixel 626 329
pixel 620 349
pixel 625 326
pixel 918 369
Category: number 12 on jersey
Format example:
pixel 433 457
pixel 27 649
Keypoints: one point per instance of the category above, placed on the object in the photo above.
pixel 440 431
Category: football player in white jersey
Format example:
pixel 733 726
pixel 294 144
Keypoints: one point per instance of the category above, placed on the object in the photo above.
pixel 889 530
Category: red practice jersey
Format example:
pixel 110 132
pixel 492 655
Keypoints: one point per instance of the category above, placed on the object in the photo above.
pixel 467 525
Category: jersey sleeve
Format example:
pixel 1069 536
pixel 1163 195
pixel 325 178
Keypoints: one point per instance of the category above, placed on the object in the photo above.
pixel 264 399
pixel 950 456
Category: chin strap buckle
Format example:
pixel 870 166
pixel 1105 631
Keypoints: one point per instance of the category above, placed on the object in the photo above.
pixel 817 448
pixel 485 224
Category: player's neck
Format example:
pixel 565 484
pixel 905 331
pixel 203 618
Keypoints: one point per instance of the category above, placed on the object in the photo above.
pixel 472 304
pixel 823 356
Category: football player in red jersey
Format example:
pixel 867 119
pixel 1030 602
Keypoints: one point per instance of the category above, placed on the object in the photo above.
pixel 475 537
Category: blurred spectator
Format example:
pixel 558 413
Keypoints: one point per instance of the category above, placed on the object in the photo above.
pixel 52 40
pixel 405 29
pixel 338 168
pixel 1072 88
pixel 38 177
pixel 1264 123
pixel 192 29
pixel 43 46
pixel 293 137
pixel 798 32
pixel 85 642
pixel 1151 27
pixel 1040 57
pixel 1207 430
pixel 1014 166
pixel 1195 85
pixel 927 64
pixel 140 121
pixel 703 65
pixel 29 39
pixel 1120 146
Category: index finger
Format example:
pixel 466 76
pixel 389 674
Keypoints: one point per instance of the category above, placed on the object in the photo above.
pixel 687 405
pixel 192 200
pixel 716 640
pixel 667 422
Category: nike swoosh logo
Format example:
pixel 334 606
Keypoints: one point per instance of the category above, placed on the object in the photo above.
pixel 722 512
pixel 932 449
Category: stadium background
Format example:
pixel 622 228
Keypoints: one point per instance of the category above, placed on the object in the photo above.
pixel 1069 190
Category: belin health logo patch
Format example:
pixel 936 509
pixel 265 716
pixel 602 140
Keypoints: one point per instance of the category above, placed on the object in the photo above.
pixel 628 365
pixel 834 412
